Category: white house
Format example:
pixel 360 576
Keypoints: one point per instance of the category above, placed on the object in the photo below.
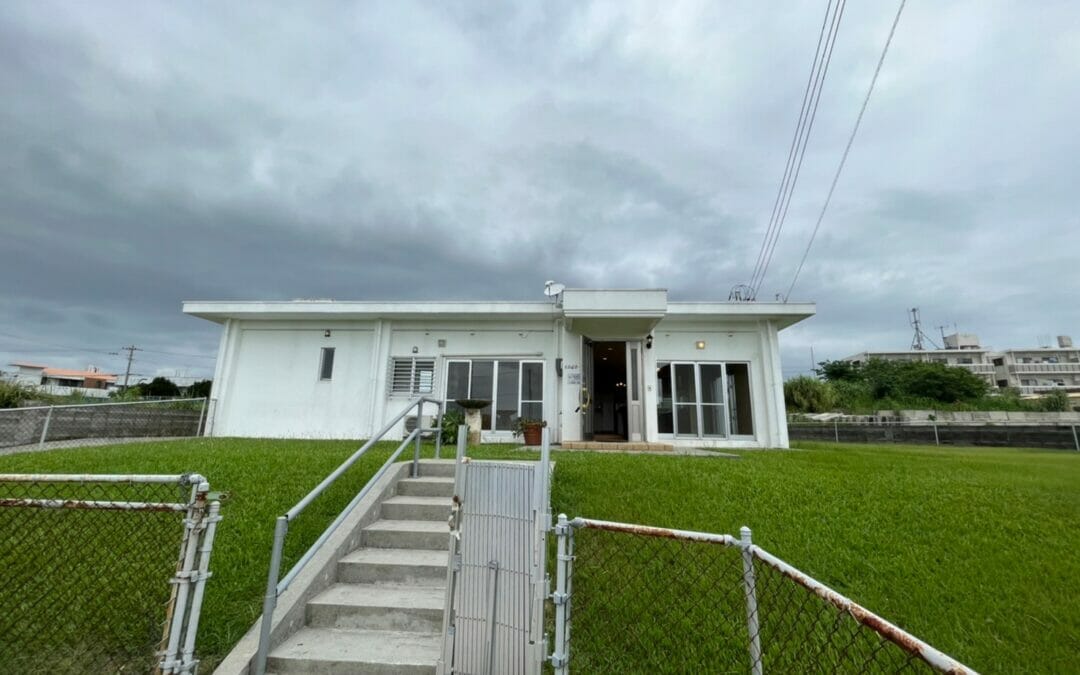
pixel 62 381
pixel 604 365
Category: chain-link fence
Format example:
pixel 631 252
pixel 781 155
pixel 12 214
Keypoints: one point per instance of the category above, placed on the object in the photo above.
pixel 46 427
pixel 636 599
pixel 102 574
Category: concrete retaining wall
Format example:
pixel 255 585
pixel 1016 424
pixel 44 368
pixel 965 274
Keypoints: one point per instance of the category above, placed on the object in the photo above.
pixel 23 426
pixel 1013 435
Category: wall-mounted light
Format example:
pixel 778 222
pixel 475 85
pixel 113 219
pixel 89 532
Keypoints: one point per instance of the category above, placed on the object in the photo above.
pixel 648 341
pixel 415 350
pixel 700 344
pixel 327 333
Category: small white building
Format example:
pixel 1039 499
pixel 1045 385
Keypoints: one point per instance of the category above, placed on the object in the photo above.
pixel 604 365
pixel 63 381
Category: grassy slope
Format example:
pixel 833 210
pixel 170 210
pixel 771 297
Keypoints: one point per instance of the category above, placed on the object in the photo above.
pixel 973 550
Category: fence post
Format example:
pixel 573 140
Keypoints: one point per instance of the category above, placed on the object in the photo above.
pixel 1076 439
pixel 202 416
pixel 201 573
pixel 937 441
pixel 750 589
pixel 45 427
pixel 836 428
pixel 561 657
pixel 184 575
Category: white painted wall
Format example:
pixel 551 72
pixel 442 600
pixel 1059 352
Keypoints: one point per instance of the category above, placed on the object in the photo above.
pixel 272 386
pixel 267 380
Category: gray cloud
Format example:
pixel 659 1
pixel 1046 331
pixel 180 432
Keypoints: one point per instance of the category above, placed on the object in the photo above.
pixel 473 150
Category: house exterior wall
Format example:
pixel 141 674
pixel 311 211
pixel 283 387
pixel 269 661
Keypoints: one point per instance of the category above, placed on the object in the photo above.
pixel 267 379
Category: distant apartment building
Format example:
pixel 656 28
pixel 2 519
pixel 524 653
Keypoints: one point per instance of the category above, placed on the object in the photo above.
pixel 62 381
pixel 1033 371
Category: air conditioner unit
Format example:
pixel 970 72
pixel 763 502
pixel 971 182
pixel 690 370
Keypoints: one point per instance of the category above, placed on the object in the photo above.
pixel 410 425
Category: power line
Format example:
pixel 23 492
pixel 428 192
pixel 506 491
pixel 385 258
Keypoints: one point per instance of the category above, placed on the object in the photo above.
pixel 847 149
pixel 805 124
pixel 791 150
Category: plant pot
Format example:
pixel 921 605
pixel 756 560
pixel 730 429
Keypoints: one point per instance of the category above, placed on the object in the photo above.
pixel 532 434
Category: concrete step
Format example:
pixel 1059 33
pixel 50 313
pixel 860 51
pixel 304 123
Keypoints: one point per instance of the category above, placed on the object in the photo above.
pixel 413 609
pixel 394 565
pixel 417 534
pixel 426 486
pixel 438 467
pixel 330 651
pixel 406 507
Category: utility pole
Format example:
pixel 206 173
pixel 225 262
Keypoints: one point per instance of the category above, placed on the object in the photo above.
pixel 131 355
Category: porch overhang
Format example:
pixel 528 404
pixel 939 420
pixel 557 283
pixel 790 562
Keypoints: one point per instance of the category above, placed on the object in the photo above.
pixel 617 313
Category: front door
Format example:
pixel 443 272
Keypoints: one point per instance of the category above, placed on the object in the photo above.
pixel 585 402
pixel 635 415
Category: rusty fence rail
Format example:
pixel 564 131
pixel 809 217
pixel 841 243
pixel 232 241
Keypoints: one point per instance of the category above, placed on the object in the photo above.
pixel 633 598
pixel 58 426
pixel 103 573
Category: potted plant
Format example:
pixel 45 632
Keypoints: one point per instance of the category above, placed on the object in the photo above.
pixel 530 429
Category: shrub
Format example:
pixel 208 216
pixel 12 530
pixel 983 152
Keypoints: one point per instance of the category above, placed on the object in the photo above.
pixel 451 420
pixel 807 394
pixel 1055 401
pixel 13 394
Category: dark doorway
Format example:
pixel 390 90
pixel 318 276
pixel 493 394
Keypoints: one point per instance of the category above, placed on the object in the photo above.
pixel 609 409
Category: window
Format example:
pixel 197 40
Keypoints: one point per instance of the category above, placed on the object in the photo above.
pixel 515 388
pixel 326 363
pixel 704 400
pixel 412 376
pixel 965 360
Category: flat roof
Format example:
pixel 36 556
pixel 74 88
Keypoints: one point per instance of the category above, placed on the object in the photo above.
pixel 785 314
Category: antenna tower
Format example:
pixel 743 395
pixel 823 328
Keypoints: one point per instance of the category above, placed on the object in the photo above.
pixel 916 323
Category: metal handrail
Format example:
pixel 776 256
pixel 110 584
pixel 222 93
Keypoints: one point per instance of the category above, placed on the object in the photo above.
pixel 275 586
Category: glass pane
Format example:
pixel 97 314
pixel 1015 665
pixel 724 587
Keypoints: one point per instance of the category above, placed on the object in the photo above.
pixel 482 387
pixel 712 419
pixel 742 418
pixel 685 389
pixel 633 375
pixel 326 369
pixel 457 380
pixel 712 383
pixel 664 414
pixel 686 418
pixel 532 411
pixel 506 405
pixel 532 382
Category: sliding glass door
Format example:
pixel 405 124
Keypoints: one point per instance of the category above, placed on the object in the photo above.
pixel 693 400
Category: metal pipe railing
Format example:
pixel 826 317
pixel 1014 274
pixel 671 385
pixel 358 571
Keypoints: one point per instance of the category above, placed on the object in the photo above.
pixel 275 586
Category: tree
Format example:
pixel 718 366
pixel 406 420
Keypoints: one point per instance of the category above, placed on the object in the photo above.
pixel 835 371
pixel 160 386
pixel 200 389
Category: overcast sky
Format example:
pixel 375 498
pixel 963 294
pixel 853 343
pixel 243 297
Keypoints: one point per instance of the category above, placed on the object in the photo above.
pixel 153 153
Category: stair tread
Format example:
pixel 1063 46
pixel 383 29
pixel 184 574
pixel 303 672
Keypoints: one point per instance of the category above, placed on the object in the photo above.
pixel 419 499
pixel 398 556
pixel 429 479
pixel 409 526
pixel 395 596
pixel 360 646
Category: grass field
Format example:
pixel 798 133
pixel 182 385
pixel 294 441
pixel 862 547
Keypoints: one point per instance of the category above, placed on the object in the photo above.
pixel 971 549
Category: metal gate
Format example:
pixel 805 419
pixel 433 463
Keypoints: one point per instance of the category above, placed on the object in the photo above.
pixel 496 584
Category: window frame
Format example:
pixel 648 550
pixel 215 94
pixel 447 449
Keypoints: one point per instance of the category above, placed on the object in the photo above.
pixel 323 353
pixel 493 415
pixel 700 406
pixel 415 388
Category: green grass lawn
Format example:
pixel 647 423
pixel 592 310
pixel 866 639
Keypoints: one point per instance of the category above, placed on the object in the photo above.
pixel 973 550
